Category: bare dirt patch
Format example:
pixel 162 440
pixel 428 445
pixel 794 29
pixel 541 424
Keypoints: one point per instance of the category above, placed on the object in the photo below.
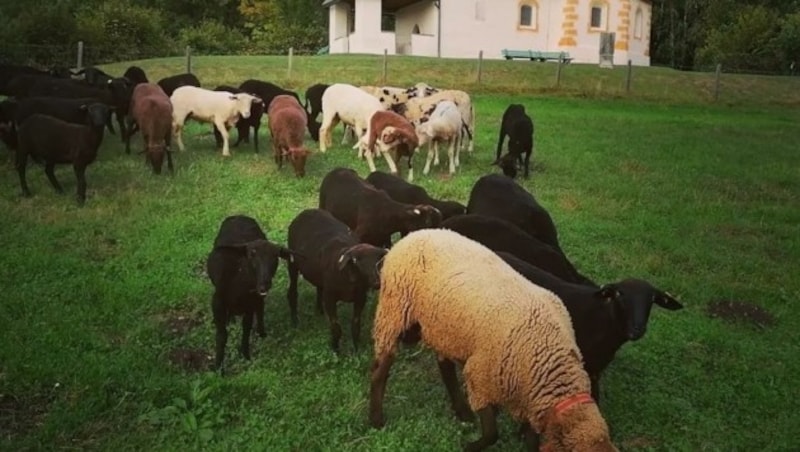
pixel 20 415
pixel 741 312
pixel 190 359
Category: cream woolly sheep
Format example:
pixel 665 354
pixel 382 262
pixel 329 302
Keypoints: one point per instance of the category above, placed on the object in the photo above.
pixel 444 125
pixel 514 338
pixel 348 104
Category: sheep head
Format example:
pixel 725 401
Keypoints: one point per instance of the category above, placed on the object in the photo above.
pixel 362 263
pixel 576 424
pixel 261 261
pixel 297 157
pixel 422 216
pixel 632 300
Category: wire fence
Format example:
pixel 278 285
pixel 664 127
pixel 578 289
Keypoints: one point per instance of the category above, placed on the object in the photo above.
pixel 714 83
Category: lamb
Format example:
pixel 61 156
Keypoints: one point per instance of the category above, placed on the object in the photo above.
pixel 348 104
pixel 500 235
pixel 371 213
pixel 243 125
pixel 444 125
pixel 417 109
pixel 604 318
pixel 151 111
pixel 241 266
pixel 121 89
pixel 94 76
pixel 53 141
pixel 220 108
pixel 313 106
pixel 514 338
pixel 497 196
pixel 69 110
pixel 287 125
pixel 402 191
pixel 394 135
pixel 518 126
pixel 331 258
pixel 173 82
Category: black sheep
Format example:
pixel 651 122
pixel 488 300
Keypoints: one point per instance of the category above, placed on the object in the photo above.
pixel 313 106
pixel 518 126
pixel 52 141
pixel 136 75
pixel 497 196
pixel 243 125
pixel 173 82
pixel 265 91
pixel 371 213
pixel 407 193
pixel 241 266
pixel 604 318
pixel 94 76
pixel 331 258
pixel 66 109
pixel 500 235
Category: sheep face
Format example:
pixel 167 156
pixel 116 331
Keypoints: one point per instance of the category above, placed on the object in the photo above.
pixel 297 157
pixel 422 217
pixel 98 115
pixel 363 264
pixel 155 157
pixel 262 262
pixel 578 429
pixel 451 209
pixel 508 163
pixel 632 300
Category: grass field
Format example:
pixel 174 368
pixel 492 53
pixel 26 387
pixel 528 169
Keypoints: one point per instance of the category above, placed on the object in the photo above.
pixel 104 310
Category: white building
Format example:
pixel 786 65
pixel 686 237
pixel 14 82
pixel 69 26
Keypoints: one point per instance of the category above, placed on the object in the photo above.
pixel 461 28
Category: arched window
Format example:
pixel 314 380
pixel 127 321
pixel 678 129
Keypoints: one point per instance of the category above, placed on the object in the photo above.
pixel 528 14
pixel 638 24
pixel 525 16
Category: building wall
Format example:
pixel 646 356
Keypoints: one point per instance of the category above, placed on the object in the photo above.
pixel 469 26
pixel 337 31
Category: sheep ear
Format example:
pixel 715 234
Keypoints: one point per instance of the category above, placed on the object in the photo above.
pixel 84 107
pixel 286 254
pixel 345 259
pixel 608 292
pixel 666 301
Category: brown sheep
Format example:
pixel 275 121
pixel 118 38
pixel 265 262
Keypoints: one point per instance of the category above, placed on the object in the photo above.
pixel 393 134
pixel 287 125
pixel 151 111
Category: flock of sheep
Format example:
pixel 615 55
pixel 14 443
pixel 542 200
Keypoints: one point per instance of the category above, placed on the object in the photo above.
pixel 485 285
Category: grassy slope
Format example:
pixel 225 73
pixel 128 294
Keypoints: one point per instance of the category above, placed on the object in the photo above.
pixel 701 201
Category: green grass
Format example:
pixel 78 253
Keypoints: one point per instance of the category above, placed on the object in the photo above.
pixel 700 200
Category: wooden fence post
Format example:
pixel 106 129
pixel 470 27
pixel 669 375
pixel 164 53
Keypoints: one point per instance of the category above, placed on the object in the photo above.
pixel 558 70
pixel 628 79
pixel 79 63
pixel 716 82
pixel 480 66
pixel 289 70
pixel 189 59
pixel 385 65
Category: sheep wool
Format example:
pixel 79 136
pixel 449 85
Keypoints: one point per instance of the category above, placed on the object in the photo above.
pixel 515 338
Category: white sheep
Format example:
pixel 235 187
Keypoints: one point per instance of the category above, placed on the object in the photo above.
pixel 348 104
pixel 220 108
pixel 418 108
pixel 444 125
pixel 514 338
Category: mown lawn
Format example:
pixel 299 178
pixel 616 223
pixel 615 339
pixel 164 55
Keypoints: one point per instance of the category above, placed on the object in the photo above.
pixel 102 306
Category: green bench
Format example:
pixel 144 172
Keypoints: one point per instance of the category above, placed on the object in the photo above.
pixel 536 55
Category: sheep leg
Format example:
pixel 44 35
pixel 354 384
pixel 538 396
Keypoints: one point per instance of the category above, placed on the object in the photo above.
pixel 80 174
pixel 527 162
pixel 22 164
pixel 435 152
pixel 247 328
pixel 169 161
pixel 319 301
pixel 377 389
pixel 255 135
pixel 529 436
pixel 451 155
pixel 177 132
pixel 48 169
pixel 291 294
pixel 221 324
pixel 260 329
pixel 390 162
pixel 370 161
pixel 329 303
pixel 500 144
pixel 132 128
pixel 121 121
pixel 428 161
pixel 223 130
pixel 447 369
pixel 217 136
pixel 355 322
pixel 488 418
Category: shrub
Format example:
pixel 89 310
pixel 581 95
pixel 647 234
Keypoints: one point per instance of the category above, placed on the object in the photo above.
pixel 210 37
